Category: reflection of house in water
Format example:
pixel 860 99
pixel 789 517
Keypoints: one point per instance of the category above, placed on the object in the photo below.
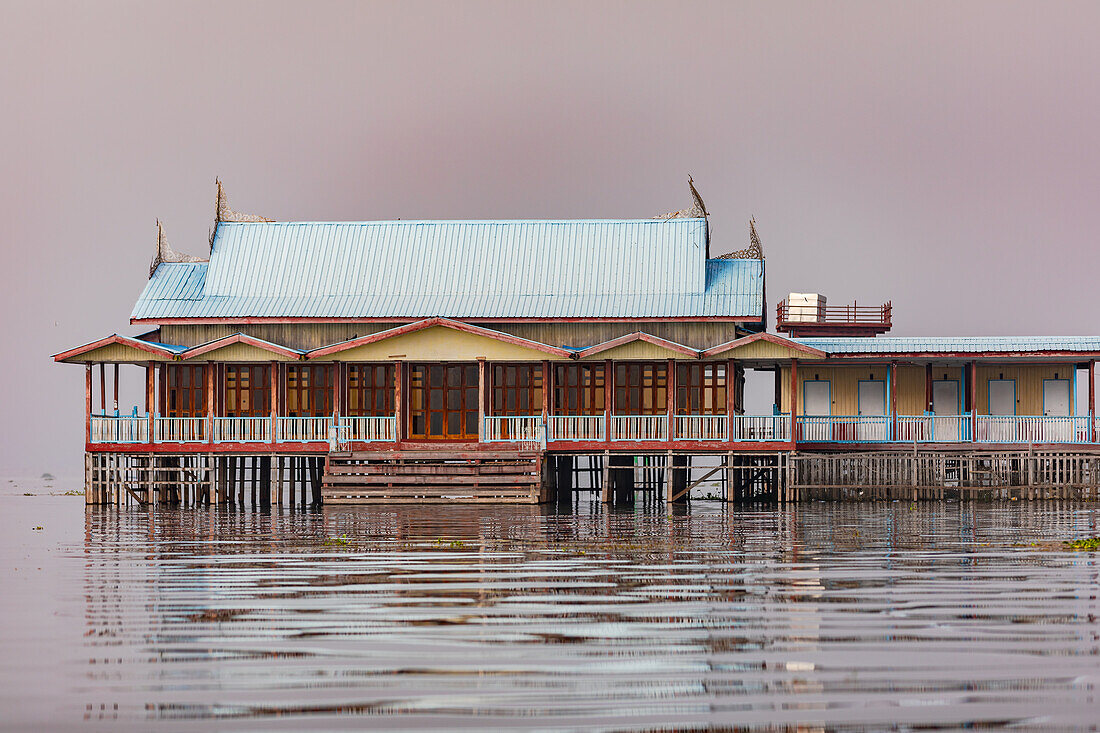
pixel 519 361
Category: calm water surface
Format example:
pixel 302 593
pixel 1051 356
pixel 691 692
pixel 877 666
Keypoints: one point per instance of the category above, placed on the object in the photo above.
pixel 427 617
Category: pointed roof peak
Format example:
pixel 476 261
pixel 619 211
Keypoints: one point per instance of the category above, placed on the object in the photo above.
pixel 222 212
pixel 164 253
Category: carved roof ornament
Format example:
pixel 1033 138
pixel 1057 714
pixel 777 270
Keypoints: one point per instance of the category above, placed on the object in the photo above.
pixel 698 209
pixel 224 213
pixel 753 252
pixel 165 253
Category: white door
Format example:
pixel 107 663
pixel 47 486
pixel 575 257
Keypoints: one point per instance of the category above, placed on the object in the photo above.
pixel 1055 396
pixel 871 403
pixel 1002 396
pixel 817 399
pixel 945 404
pixel 945 397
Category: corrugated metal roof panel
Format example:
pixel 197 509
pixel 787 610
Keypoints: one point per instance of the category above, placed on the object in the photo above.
pixel 589 269
pixel 506 257
pixel 949 344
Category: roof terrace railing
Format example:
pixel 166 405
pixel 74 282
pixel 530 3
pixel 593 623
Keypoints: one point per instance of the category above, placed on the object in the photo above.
pixel 848 315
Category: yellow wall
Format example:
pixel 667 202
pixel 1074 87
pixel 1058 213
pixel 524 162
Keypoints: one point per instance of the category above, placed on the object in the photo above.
pixel 1029 385
pixel 763 350
pixel 637 350
pixel 441 344
pixel 118 353
pixel 911 385
pixel 240 353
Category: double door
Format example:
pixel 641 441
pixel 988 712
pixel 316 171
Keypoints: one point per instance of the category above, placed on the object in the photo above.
pixel 443 402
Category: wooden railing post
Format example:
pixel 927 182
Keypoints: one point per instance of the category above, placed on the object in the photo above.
pixel 794 401
pixel 547 390
pixel 973 398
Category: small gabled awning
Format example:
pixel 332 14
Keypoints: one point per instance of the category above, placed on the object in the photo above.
pixel 638 345
pixel 120 349
pixel 239 346
pixel 764 346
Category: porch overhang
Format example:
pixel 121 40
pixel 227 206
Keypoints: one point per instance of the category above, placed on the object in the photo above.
pixel 620 348
pixel 764 347
pixel 121 350
pixel 241 347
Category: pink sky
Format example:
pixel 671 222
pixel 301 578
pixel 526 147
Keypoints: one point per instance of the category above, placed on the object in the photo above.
pixel 942 155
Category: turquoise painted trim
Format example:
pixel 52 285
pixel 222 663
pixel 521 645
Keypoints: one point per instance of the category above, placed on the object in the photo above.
pixel 989 395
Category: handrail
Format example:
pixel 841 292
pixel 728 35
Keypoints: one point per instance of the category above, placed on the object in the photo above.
pixel 179 429
pixel 844 428
pixel 242 429
pixel 701 427
pixel 1031 429
pixel 933 428
pixel 302 429
pixel 761 428
pixel 848 313
pixel 575 427
pixel 119 429
pixel 639 427
pixel 367 429
pixel 512 428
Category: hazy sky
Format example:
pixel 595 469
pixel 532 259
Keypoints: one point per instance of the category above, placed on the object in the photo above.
pixel 942 155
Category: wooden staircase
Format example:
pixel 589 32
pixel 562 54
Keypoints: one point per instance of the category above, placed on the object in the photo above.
pixel 463 475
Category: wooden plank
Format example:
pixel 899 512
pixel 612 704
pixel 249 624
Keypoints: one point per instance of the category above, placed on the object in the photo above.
pixel 369 479
pixel 88 404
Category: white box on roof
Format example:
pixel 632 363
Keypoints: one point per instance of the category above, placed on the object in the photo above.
pixel 805 307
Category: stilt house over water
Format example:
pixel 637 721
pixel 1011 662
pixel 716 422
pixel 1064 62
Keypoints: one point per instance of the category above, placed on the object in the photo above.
pixel 526 361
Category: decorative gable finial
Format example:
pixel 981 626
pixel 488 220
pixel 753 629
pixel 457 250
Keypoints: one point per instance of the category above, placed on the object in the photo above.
pixel 222 212
pixel 755 251
pixel 165 253
pixel 698 209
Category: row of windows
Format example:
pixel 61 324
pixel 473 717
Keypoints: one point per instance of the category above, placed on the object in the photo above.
pixel 515 389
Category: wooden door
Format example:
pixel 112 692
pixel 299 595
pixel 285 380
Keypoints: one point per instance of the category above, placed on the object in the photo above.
pixel 443 402
pixel 1056 397
pixel 945 397
pixel 1002 396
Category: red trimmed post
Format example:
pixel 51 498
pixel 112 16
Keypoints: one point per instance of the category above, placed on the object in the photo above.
pixel 928 388
pixel 793 401
pixel 973 401
pixel 209 374
pixel 103 387
pixel 150 397
pixel 893 400
pixel 274 399
pixel 1092 400
pixel 116 389
pixel 670 399
pixel 609 399
pixel 88 404
pixel 399 400
pixel 482 397
pixel 733 391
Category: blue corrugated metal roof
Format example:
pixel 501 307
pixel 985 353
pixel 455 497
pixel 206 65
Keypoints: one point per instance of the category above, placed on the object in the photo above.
pixel 948 344
pixel 527 269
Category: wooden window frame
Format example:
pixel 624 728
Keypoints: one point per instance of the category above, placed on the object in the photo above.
pixel 516 389
pixel 468 401
pixel 641 388
pixel 172 391
pixel 258 390
pixel 370 390
pixel 701 388
pixel 586 395
pixel 311 384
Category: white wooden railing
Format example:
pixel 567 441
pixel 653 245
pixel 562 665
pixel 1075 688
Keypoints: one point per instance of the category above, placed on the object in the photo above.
pixel 242 429
pixel 933 429
pixel 1031 429
pixel 179 429
pixel 576 427
pixel 302 429
pixel 119 429
pixel 366 429
pixel 762 427
pixel 844 428
pixel 639 427
pixel 513 428
pixel 701 427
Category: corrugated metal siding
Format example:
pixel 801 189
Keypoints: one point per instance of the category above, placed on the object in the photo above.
pixel 906 344
pixel 635 269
